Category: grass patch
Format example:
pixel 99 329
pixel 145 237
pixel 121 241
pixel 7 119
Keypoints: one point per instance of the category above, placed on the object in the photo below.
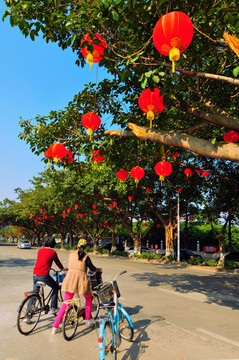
pixel 195 261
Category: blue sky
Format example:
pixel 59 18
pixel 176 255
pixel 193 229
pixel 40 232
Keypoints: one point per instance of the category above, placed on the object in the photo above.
pixel 35 78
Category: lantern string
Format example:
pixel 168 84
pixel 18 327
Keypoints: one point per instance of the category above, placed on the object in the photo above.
pixel 96 84
pixel 205 34
pixel 129 56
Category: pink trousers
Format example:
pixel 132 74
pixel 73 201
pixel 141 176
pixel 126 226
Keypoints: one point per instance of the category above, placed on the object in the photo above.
pixel 69 296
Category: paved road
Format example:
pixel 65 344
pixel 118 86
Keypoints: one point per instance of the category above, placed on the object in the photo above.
pixel 179 313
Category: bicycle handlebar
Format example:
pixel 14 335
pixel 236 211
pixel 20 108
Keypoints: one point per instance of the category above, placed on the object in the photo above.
pixel 119 274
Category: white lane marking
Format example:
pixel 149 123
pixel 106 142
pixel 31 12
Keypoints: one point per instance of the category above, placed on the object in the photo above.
pixel 219 337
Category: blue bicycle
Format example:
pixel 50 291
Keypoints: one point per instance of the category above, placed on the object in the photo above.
pixel 116 324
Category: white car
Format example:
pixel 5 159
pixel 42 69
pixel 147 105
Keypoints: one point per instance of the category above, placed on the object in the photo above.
pixel 24 244
pixel 144 249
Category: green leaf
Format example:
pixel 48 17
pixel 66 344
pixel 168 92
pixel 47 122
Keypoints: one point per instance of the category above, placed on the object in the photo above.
pixel 236 71
pixel 117 2
pixel 155 78
pixel 115 15
pixel 144 82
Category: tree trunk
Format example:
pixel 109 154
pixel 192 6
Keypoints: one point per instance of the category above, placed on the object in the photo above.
pixel 169 240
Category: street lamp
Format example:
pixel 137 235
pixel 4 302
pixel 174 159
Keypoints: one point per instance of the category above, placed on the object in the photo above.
pixel 178 240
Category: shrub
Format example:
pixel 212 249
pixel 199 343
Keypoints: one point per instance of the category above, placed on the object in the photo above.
pixel 88 249
pixel 210 262
pixel 195 261
pixel 148 256
pixel 119 253
pixel 103 251
pixel 231 264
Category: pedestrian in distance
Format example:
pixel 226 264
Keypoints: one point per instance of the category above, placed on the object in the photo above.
pixel 76 282
pixel 45 257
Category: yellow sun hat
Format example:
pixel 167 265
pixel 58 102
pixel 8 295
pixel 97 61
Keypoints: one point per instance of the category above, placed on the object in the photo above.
pixel 82 242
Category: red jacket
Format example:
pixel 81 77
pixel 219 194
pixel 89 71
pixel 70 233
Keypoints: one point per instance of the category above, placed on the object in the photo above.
pixel 45 258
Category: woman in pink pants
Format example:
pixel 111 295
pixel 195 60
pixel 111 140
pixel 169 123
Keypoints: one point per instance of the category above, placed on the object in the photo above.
pixel 76 282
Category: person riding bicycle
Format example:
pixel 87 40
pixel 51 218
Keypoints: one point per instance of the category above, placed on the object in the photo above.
pixel 76 282
pixel 45 258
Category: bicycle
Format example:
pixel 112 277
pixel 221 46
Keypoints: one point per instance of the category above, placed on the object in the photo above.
pixel 31 308
pixel 75 313
pixel 115 324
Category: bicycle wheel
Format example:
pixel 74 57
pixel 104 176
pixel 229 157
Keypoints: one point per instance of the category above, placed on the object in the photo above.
pixel 126 330
pixel 70 322
pixel 95 306
pixel 108 343
pixel 29 314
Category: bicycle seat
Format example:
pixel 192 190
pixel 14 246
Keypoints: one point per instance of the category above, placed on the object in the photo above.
pixel 107 304
pixel 40 283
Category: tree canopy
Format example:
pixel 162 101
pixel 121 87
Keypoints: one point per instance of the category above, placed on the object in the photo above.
pixel 201 97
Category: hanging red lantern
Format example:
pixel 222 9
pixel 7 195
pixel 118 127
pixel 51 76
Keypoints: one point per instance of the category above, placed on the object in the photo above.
pixel 137 173
pixel 191 218
pixel 114 203
pixel 148 190
pixel 97 54
pixel 95 211
pixel 91 122
pixel 172 35
pixel 175 155
pixel 158 225
pixel 188 172
pixel 94 206
pixel 151 103
pixel 180 190
pixel 231 136
pixel 163 168
pixel 199 171
pixel 130 198
pixel 68 157
pixel 122 175
pixel 56 152
pixel 205 173
pixel 96 156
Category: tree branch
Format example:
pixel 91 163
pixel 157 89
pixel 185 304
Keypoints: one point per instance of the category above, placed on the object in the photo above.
pixel 220 150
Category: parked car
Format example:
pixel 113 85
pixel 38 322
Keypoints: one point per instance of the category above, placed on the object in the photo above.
pixel 185 255
pixel 24 244
pixel 144 249
pixel 119 247
pixel 234 256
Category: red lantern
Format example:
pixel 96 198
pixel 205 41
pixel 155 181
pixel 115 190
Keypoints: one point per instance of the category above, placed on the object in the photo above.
pixel 94 206
pixel 95 211
pixel 172 35
pixel 180 190
pixel 188 172
pixel 191 218
pixel 91 122
pixel 148 190
pixel 158 225
pixel 56 151
pixel 98 49
pixel 137 173
pixel 151 103
pixel 231 136
pixel 130 198
pixel 122 175
pixel 163 168
pixel 68 157
pixel 114 203
pixel 96 156
pixel 199 171
pixel 205 173
pixel 175 155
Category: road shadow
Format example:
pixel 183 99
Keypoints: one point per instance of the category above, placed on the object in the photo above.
pixel 15 262
pixel 218 288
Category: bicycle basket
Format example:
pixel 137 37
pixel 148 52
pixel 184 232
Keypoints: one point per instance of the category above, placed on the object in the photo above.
pixel 60 277
pixel 95 278
pixel 105 292
pixel 116 288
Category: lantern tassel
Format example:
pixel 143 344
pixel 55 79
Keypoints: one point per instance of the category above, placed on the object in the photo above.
pixel 150 117
pixel 90 132
pixel 161 178
pixel 90 59
pixel 136 182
